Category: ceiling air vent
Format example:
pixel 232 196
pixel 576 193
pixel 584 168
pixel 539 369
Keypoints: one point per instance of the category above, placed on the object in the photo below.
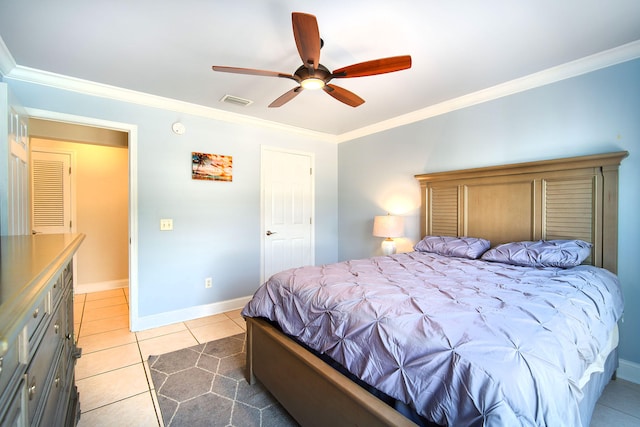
pixel 230 99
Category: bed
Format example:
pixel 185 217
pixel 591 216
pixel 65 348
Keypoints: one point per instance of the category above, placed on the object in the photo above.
pixel 460 331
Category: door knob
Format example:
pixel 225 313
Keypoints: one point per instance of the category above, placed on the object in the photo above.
pixel 269 232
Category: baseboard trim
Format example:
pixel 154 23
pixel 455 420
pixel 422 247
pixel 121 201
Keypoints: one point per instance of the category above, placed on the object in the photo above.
pixel 87 288
pixel 169 317
pixel 629 371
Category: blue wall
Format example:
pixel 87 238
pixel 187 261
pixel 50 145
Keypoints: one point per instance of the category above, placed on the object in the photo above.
pixel 594 113
pixel 216 224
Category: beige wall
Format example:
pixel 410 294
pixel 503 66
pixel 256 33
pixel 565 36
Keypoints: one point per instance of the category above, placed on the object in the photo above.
pixel 101 179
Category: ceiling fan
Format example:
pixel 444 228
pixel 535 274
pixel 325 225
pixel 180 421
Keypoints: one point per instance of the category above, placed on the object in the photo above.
pixel 312 74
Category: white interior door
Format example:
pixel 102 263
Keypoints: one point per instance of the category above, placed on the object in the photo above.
pixel 287 183
pixel 51 192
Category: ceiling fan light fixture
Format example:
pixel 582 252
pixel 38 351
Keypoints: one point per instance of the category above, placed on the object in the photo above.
pixel 312 83
pixel 312 74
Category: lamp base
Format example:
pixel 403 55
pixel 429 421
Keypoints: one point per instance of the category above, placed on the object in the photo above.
pixel 388 246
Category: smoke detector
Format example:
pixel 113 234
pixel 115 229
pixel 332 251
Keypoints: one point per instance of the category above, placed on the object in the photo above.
pixel 178 128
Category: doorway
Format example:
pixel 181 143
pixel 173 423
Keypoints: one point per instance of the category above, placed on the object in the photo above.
pixel 129 133
pixel 98 207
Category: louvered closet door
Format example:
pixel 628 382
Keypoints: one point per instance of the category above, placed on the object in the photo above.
pixel 51 184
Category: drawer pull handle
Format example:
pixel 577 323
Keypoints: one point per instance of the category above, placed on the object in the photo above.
pixel 36 312
pixel 68 336
pixel 32 389
pixel 1 364
pixel 56 328
pixel 57 382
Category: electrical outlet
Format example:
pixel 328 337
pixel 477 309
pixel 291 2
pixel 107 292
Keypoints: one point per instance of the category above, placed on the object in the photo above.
pixel 208 282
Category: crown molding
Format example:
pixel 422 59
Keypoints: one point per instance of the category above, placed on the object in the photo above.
pixel 7 63
pixel 607 58
pixel 600 60
pixel 58 81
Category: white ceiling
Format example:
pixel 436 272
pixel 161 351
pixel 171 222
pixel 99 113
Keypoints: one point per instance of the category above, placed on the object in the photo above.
pixel 166 48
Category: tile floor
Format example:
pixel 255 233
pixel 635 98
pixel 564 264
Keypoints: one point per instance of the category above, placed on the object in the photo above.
pixel 112 375
pixel 115 386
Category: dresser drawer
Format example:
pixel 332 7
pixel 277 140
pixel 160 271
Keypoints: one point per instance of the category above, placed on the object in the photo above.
pixel 56 389
pixel 57 290
pixel 69 334
pixel 67 274
pixel 40 369
pixel 9 372
pixel 36 318
pixel 12 411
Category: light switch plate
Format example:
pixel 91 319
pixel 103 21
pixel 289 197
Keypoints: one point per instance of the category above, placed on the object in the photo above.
pixel 166 224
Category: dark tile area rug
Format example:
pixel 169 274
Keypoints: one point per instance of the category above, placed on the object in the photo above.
pixel 205 385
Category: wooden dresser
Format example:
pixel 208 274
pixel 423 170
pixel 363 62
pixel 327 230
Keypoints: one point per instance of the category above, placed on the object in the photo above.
pixel 37 342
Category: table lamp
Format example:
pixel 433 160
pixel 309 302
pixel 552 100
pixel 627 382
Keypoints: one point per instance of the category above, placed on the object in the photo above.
pixel 388 226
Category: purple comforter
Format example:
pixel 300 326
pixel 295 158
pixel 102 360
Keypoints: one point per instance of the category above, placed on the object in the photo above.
pixel 464 342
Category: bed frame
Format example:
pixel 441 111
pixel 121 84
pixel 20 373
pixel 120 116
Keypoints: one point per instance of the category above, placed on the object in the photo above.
pixel 571 198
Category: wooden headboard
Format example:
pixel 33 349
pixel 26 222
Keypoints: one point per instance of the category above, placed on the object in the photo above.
pixel 570 198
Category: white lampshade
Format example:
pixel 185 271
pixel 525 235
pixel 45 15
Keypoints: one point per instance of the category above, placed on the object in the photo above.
pixel 388 226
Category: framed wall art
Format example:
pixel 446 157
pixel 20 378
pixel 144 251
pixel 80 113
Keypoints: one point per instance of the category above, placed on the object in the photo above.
pixel 211 167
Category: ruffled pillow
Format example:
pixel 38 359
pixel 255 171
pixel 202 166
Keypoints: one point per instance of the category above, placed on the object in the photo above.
pixel 541 253
pixel 462 247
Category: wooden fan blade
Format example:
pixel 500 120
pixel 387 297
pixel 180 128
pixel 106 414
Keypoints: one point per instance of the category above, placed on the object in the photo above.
pixel 343 95
pixel 253 72
pixel 307 35
pixel 377 66
pixel 286 97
